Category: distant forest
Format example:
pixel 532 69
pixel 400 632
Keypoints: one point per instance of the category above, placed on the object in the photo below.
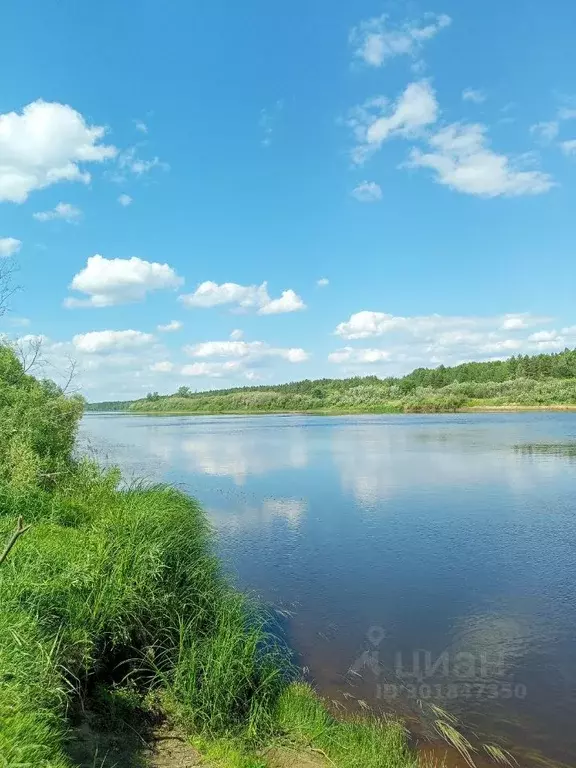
pixel 522 380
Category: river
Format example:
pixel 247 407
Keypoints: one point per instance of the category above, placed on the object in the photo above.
pixel 415 560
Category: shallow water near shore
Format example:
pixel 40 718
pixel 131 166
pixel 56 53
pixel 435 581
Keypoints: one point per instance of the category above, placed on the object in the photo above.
pixel 417 561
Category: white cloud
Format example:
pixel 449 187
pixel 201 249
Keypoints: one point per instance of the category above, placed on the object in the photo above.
pixel 289 301
pixel 430 340
pixel 141 126
pixel 543 336
pixel 474 95
pixel 109 282
pixel 210 294
pixel 130 162
pixel 236 334
pixel 249 351
pixel 569 147
pixel 64 211
pixel 9 246
pixel 365 324
pixel 163 366
pixel 97 342
pixel 351 355
pixel 45 144
pixel 212 370
pixel 566 113
pixel 378 40
pixel 463 161
pixel 175 325
pixel 367 192
pixel 376 121
pixel 503 345
pixel 323 282
pixel 546 131
pixel 512 322
pixel 125 200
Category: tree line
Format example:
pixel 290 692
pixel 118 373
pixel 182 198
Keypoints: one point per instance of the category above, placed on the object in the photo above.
pixel 546 379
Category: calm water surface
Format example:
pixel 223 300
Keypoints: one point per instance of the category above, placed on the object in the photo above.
pixel 416 560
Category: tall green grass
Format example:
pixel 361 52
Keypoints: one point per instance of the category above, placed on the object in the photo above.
pixel 111 586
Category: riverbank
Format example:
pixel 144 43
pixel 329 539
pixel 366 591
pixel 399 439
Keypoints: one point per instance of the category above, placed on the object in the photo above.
pixel 511 408
pixel 113 604
pixel 541 381
pixel 115 617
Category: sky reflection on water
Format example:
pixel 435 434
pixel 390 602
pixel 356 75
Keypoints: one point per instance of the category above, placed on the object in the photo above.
pixel 450 535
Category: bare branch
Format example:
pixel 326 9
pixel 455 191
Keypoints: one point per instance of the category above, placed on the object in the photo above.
pixel 29 351
pixel 72 373
pixel 7 286
pixel 20 531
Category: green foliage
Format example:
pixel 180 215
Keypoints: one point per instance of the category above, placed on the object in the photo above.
pixel 38 425
pixel 354 743
pixel 523 381
pixel 110 405
pixel 107 576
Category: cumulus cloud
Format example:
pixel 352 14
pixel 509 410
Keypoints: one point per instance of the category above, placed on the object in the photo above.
pixel 249 351
pixel 289 301
pixel 113 365
pixel 9 246
pixel 323 282
pixel 543 336
pixel 365 324
pixel 378 40
pixel 141 126
pixel 568 147
pixel 430 340
pixel 461 158
pixel 546 131
pixel 236 334
pixel 212 370
pixel 63 211
pixel 514 322
pixel 125 200
pixel 171 327
pixel 376 120
pixel 97 342
pixel 247 297
pixel 474 95
pixel 162 366
pixel 109 282
pixel 351 355
pixel 367 192
pixel 45 144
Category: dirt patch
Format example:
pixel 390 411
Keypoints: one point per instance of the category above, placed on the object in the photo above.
pixel 161 747
pixel 170 750
pixel 283 757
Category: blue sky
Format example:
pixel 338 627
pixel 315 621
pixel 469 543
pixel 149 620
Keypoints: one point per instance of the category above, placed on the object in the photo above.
pixel 160 162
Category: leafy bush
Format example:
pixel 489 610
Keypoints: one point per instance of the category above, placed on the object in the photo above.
pixel 38 425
